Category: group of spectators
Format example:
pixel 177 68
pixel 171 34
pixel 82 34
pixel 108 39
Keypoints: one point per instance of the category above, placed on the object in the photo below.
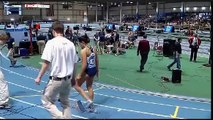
pixel 109 41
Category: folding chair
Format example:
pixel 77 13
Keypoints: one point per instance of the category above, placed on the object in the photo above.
pixel 155 46
pixel 159 50
pixel 159 53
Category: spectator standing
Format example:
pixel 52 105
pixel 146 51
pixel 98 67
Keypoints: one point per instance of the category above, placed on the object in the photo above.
pixel 194 43
pixel 177 53
pixel 68 33
pixel 143 49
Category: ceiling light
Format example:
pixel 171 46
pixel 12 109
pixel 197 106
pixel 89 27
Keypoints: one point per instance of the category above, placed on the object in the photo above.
pixel 195 8
pixel 187 8
pixel 12 19
pixel 203 8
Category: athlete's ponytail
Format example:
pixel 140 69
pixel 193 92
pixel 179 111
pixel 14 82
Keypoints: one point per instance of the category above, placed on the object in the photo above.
pixel 84 38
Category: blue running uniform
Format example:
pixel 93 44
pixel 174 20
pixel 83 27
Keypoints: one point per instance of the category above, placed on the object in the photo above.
pixel 91 66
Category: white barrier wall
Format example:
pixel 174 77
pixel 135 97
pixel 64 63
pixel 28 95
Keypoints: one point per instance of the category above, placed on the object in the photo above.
pixel 19 35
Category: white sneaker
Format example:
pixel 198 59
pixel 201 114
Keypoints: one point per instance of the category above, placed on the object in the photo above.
pixel 90 107
pixel 5 106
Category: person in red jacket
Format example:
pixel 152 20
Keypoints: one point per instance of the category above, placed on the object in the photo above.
pixel 194 43
pixel 143 49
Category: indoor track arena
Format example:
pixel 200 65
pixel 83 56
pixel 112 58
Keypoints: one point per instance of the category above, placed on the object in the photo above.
pixel 113 59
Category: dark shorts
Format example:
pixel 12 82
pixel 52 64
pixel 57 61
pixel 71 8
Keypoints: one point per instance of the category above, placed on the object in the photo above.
pixel 91 71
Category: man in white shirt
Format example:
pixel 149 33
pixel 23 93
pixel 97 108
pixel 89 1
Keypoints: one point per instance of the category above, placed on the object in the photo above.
pixel 60 57
pixel 4 92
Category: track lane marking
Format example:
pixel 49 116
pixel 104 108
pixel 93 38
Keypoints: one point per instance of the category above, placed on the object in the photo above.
pixel 175 113
pixel 38 106
pixel 116 108
pixel 127 99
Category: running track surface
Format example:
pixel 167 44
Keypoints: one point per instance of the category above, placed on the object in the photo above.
pixel 110 101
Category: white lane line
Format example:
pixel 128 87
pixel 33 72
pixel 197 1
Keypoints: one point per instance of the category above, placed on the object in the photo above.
pixel 24 87
pixel 134 111
pixel 10 71
pixel 147 102
pixel 111 107
pixel 25 96
pixel 38 106
pixel 3 56
pixel 27 67
pixel 156 94
pixel 94 89
pixel 2 118
pixel 127 99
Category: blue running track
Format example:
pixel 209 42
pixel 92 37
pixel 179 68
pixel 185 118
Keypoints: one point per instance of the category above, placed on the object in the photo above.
pixel 110 101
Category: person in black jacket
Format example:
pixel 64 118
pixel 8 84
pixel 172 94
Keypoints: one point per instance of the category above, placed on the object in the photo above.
pixel 177 53
pixel 102 40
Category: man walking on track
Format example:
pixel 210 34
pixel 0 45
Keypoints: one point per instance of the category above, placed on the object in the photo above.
pixel 4 92
pixel 143 49
pixel 60 57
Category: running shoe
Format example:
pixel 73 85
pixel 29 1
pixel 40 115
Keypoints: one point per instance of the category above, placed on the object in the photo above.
pixel 5 106
pixel 90 107
pixel 80 106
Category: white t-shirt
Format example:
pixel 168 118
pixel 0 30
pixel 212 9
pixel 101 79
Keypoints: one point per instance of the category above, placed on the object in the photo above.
pixel 108 35
pixel 195 41
pixel 61 54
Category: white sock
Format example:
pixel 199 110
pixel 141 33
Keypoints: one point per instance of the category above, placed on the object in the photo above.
pixel 90 101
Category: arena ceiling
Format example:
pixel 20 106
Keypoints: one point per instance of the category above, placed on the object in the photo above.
pixel 104 1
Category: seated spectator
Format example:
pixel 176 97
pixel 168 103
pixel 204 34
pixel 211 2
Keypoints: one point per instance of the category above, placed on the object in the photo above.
pixel 68 33
pixel 109 42
pixel 120 49
pixel 131 39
